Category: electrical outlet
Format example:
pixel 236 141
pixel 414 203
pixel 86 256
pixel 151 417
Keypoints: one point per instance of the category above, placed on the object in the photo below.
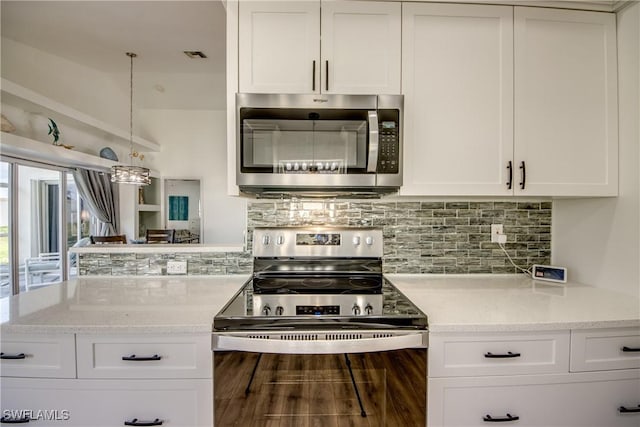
pixel 176 267
pixel 497 234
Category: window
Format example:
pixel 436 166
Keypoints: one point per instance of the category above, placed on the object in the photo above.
pixel 39 220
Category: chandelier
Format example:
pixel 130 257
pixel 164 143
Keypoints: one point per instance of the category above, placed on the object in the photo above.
pixel 131 174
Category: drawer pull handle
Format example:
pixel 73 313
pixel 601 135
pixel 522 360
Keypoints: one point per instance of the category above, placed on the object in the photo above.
pixel 630 349
pixel 10 420
pixel 509 417
pixel 134 358
pixel 625 410
pixel 509 355
pixel 12 356
pixel 136 422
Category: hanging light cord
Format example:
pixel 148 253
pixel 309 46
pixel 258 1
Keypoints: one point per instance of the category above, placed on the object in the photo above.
pixel 131 55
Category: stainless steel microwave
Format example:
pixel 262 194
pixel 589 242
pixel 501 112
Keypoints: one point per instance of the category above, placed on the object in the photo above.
pixel 323 145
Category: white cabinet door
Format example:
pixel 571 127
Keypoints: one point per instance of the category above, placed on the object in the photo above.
pixel 457 78
pixel 566 116
pixel 38 355
pixel 89 403
pixel 569 400
pixel 600 349
pixel 144 356
pixel 279 47
pixel 507 353
pixel 361 47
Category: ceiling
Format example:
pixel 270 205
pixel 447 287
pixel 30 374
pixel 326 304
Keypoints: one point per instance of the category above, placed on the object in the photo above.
pixel 97 34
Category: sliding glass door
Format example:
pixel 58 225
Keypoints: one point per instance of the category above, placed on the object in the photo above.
pixel 40 225
pixel 5 200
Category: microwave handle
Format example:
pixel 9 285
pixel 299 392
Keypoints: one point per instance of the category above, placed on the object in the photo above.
pixel 374 135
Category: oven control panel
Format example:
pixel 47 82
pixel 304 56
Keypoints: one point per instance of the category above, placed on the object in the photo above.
pixel 317 305
pixel 317 242
pixel 317 310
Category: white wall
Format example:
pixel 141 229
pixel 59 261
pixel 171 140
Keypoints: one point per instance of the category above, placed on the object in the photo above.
pixel 194 147
pixel 599 239
pixel 80 87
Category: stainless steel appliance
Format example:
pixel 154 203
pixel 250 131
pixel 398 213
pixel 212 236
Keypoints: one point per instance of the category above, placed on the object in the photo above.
pixel 319 144
pixel 319 336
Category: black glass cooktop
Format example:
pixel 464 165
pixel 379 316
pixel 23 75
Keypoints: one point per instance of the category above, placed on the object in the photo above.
pixel 398 312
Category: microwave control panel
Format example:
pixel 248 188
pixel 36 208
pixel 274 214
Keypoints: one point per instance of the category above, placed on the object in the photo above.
pixel 389 141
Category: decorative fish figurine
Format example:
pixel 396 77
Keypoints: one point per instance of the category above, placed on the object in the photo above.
pixel 53 130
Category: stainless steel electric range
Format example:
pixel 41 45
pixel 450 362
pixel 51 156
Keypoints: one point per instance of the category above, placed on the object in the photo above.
pixel 316 309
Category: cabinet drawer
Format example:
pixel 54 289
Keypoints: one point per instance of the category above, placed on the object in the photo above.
pixel 605 349
pixel 42 356
pixel 144 356
pixel 556 400
pixel 498 354
pixel 89 403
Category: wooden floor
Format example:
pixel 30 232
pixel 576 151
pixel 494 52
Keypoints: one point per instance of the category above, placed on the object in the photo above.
pixel 316 390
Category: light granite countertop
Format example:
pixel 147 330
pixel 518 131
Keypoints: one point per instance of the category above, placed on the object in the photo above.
pixel 187 304
pixel 164 304
pixel 499 303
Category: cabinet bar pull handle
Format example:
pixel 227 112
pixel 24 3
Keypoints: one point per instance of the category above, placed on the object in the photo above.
pixel 326 75
pixel 136 422
pixel 630 349
pixel 509 355
pixel 9 420
pixel 524 175
pixel 509 417
pixel 625 410
pixel 5 356
pixel 510 182
pixel 134 358
pixel 313 78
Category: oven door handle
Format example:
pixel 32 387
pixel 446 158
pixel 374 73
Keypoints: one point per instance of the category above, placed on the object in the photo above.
pixel 260 343
pixel 374 135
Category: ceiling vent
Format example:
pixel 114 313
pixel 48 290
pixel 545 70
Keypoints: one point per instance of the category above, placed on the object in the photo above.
pixel 194 54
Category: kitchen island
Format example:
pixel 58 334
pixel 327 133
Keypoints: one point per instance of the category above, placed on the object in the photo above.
pixel 144 345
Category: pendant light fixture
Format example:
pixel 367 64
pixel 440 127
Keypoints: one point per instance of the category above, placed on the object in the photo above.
pixel 131 174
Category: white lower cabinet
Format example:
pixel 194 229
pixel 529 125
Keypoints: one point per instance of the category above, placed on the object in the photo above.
pixel 108 380
pixel 87 403
pixel 564 400
pixel 528 379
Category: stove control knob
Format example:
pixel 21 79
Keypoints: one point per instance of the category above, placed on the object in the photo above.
pixel 279 310
pixel 266 310
pixel 356 310
pixel 279 240
pixel 368 309
pixel 266 240
pixel 356 240
pixel 368 240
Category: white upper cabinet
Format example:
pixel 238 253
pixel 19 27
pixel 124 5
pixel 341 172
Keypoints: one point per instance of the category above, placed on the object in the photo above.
pixel 566 105
pixel 360 47
pixel 278 44
pixel 457 77
pixel 509 101
pixel 284 49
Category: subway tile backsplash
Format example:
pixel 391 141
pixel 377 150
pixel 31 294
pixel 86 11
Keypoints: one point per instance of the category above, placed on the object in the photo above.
pixel 447 237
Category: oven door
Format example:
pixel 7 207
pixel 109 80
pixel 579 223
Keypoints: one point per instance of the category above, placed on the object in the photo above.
pixel 356 384
pixel 308 378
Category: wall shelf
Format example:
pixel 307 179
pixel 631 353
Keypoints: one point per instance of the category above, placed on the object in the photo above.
pixel 30 101
pixel 19 146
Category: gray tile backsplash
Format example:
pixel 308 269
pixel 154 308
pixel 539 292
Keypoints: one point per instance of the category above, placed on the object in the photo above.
pixel 448 237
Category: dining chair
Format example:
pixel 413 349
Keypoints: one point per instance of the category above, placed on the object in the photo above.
pixel 122 239
pixel 161 236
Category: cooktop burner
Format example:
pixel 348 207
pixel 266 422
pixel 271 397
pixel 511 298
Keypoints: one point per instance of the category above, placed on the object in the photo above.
pixel 329 284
